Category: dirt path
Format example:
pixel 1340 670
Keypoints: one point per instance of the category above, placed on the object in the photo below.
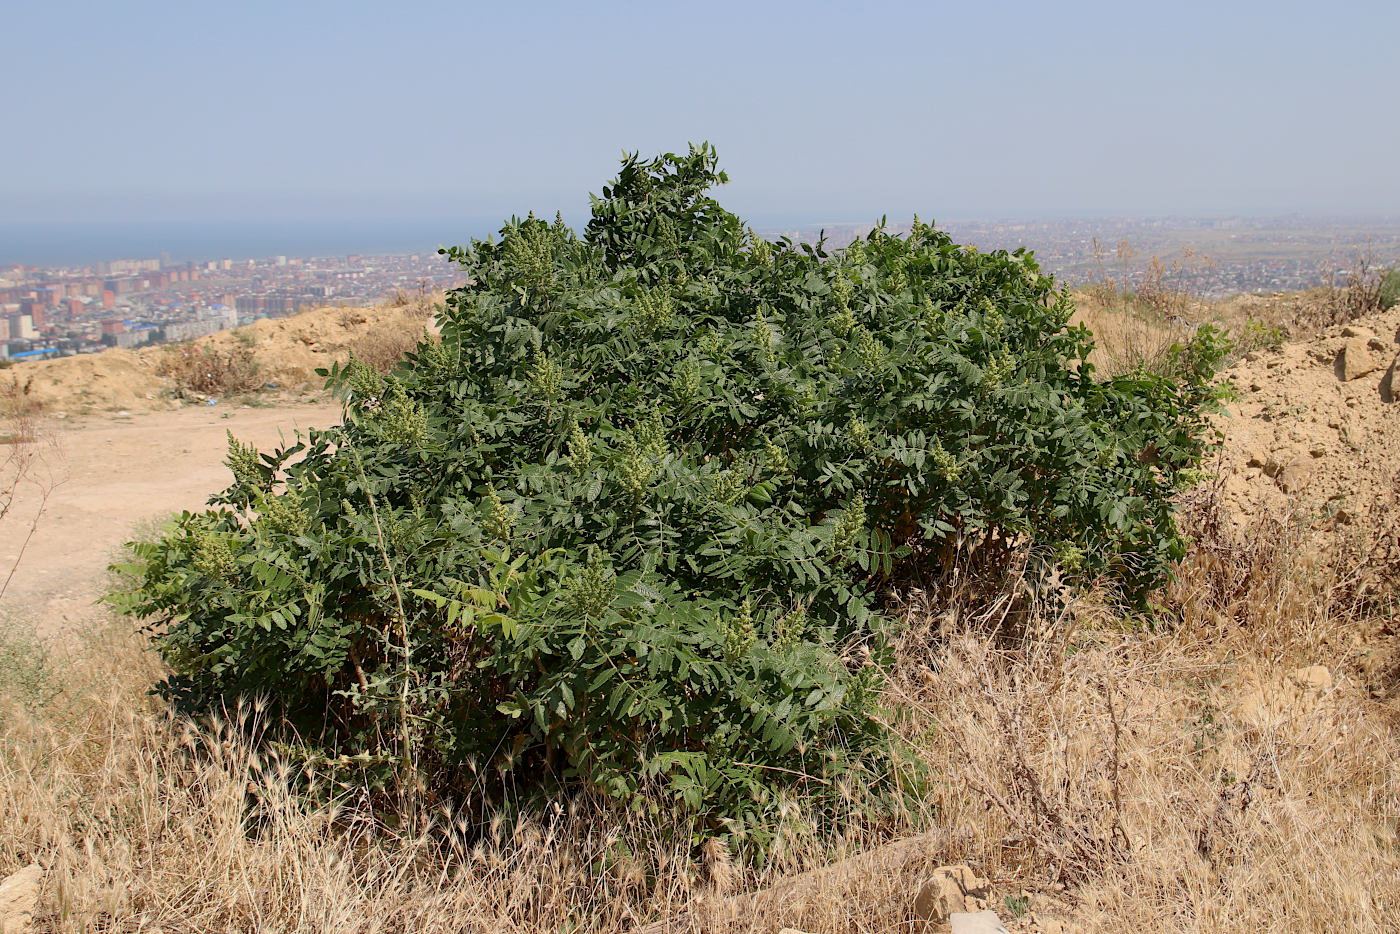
pixel 113 472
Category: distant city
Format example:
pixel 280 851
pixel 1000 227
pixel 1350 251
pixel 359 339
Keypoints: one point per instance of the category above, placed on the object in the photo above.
pixel 1210 258
pixel 48 312
pixel 61 311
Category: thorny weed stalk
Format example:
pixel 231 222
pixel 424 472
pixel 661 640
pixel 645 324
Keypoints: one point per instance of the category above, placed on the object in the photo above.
pixel 408 778
pixel 31 468
pixel 1364 287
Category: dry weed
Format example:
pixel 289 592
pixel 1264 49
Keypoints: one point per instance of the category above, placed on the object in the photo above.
pixel 420 303
pixel 1229 772
pixel 32 459
pixel 206 370
pixel 384 346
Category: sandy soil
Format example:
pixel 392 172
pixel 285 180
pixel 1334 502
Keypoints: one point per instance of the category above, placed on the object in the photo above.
pixel 1315 425
pixel 285 351
pixel 109 474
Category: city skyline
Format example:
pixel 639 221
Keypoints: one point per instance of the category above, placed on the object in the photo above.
pixel 130 301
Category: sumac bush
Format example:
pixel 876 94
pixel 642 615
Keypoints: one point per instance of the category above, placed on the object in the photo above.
pixel 624 527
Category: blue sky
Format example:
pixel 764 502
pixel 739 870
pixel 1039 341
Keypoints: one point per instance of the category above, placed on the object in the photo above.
pixel 259 110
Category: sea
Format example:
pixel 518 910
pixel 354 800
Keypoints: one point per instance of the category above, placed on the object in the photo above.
pixel 66 243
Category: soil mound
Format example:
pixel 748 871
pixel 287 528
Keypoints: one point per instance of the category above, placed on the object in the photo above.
pixel 284 352
pixel 1315 425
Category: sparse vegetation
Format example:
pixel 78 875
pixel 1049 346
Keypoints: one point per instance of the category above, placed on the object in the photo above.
pixel 383 348
pixel 203 369
pixel 1368 286
pixel 31 458
pixel 1389 294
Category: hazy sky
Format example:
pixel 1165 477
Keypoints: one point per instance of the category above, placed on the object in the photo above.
pixel 257 110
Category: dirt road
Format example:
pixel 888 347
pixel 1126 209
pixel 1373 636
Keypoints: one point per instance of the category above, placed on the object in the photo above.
pixel 109 473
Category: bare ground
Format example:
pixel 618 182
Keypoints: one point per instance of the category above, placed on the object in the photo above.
pixel 106 474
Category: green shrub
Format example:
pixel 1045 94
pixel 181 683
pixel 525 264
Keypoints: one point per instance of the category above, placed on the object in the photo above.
pixel 626 524
pixel 1389 293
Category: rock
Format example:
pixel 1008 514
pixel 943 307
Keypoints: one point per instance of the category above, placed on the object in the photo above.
pixel 973 885
pixel 950 889
pixel 1356 330
pixel 981 922
pixel 1354 360
pixel 1313 678
pixel 19 894
pixel 1294 477
pixel 938 898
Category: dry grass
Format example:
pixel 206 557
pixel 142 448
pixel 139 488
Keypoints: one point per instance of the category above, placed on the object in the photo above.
pixel 1186 780
pixel 30 456
pixel 1180 776
pixel 1138 313
pixel 1127 337
pixel 1181 780
pixel 202 369
pixel 383 345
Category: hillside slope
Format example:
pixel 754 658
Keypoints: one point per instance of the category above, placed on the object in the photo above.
pixel 1315 425
pixel 284 351
pixel 1234 770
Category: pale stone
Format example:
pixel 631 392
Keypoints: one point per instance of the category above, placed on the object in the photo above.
pixel 1295 477
pixel 970 882
pixel 938 898
pixel 981 922
pixel 1312 678
pixel 948 890
pixel 1354 360
pixel 19 894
